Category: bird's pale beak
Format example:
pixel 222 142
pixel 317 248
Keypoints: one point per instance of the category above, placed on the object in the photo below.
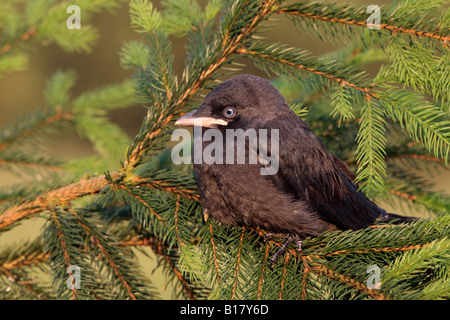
pixel 191 120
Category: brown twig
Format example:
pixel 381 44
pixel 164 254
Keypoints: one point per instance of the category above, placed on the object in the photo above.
pixel 63 246
pixel 403 195
pixel 179 276
pixel 27 284
pixel 216 265
pixel 185 193
pixel 348 281
pixel 55 197
pixel 322 269
pixel 286 260
pixel 29 164
pixel 27 35
pixel 140 200
pixel 177 207
pixel 48 121
pixel 238 263
pixel 341 81
pixel 266 255
pixel 418 157
pixel 306 271
pixel 23 261
pixel 391 28
pixel 106 254
pixel 385 249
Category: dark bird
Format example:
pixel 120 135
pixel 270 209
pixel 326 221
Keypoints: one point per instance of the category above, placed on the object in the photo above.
pixel 312 191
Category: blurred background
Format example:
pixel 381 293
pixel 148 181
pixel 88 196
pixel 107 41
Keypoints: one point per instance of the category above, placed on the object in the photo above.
pixel 22 91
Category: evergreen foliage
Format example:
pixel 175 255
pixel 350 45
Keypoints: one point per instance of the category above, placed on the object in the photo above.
pixel 381 125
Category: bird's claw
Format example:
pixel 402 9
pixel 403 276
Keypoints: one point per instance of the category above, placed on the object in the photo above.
pixel 270 236
pixel 299 243
pixel 282 248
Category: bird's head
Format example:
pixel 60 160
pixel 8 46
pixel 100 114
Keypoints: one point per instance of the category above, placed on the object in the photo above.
pixel 239 102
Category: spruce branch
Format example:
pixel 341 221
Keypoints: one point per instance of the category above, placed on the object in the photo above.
pixel 300 56
pixel 180 277
pixel 46 120
pixel 43 21
pixel 430 127
pixel 68 252
pixel 216 266
pixel 82 188
pixel 239 251
pixel 25 161
pixel 371 145
pixel 20 287
pixel 139 199
pixel 31 32
pixel 346 15
pixel 15 61
pixel 56 197
pixel 322 270
pixel 107 252
pixel 23 261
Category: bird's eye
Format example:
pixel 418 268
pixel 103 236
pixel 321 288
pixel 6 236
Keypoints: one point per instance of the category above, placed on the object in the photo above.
pixel 229 112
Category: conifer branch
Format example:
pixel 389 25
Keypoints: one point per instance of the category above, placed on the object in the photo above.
pixel 53 198
pixel 152 242
pixel 63 245
pixel 266 256
pixel 216 264
pixel 97 242
pixel 283 278
pixel 31 32
pixel 176 222
pixel 30 164
pixel 306 271
pixel 418 157
pixel 164 186
pixel 341 81
pixel 386 249
pixel 403 195
pixel 180 277
pixel 392 28
pixel 161 249
pixel 29 285
pixel 236 278
pixel 47 121
pixel 38 256
pixel 322 270
pixel 140 200
pixel 82 188
pixel 24 261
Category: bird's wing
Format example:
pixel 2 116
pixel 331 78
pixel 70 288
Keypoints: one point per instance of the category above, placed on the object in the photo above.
pixel 213 203
pixel 309 172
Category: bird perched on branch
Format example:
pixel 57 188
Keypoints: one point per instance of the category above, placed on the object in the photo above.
pixel 311 192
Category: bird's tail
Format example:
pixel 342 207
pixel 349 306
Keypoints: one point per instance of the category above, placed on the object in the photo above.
pixel 397 219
